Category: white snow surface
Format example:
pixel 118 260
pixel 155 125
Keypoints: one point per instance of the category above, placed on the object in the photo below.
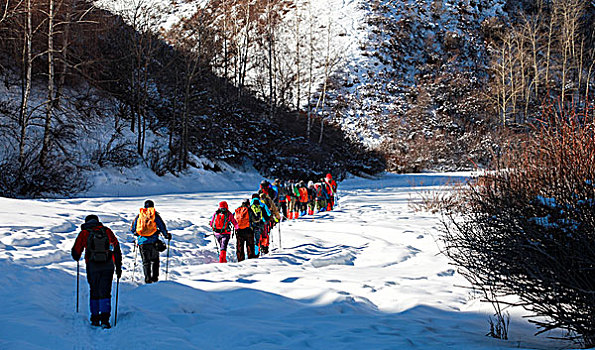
pixel 367 275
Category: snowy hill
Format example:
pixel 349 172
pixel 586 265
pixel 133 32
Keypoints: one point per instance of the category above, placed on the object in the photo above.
pixel 367 275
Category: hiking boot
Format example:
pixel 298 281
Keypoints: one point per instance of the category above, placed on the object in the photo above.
pixel 155 279
pixel 148 280
pixel 105 321
pixel 95 321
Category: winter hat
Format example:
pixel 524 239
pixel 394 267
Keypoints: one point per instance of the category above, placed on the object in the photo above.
pixel 255 195
pixel 310 184
pixel 329 177
pixel 149 204
pixel 91 217
pixel 223 204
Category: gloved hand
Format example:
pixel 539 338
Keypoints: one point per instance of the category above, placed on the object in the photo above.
pixel 119 271
pixel 75 255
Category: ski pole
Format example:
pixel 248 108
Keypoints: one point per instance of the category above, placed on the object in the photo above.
pixel 167 261
pixel 117 293
pixel 280 247
pixel 77 286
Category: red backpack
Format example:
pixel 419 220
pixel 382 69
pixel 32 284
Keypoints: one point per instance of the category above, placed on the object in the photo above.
pixel 242 217
pixel 221 221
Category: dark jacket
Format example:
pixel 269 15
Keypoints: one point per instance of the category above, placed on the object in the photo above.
pixel 80 244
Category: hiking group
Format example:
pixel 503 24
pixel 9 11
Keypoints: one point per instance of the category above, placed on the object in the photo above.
pixel 252 223
pixel 254 220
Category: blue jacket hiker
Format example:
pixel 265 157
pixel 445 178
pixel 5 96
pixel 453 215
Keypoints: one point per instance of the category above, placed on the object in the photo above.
pixel 147 226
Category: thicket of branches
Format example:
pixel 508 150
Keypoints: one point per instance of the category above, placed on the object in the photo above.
pixel 527 229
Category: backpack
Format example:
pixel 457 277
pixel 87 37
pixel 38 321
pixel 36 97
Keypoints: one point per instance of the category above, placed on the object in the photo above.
pixel 221 221
pixel 145 225
pixel 257 212
pixel 318 189
pixel 242 217
pixel 303 194
pixel 98 245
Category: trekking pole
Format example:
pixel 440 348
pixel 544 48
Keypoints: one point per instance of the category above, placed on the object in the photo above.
pixel 134 268
pixel 167 261
pixel 217 244
pixel 117 293
pixel 280 247
pixel 77 286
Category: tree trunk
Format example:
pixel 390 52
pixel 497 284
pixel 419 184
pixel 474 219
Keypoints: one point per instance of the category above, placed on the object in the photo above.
pixel 50 102
pixel 27 63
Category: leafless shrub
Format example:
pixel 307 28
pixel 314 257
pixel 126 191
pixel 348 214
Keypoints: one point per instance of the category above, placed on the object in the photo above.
pixel 528 228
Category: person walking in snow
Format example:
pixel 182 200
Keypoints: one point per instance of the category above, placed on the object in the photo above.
pixel 221 224
pixel 102 256
pixel 147 225
pixel 262 215
pixel 311 197
pixel 331 190
pixel 245 218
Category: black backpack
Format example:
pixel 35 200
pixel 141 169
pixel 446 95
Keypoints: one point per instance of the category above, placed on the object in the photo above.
pixel 98 245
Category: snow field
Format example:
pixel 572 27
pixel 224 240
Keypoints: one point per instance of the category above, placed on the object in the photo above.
pixel 367 275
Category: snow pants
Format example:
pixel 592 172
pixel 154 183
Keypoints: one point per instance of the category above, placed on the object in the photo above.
pixel 150 257
pixel 258 231
pixel 245 237
pixel 223 239
pixel 100 278
pixel 320 204
pixel 293 205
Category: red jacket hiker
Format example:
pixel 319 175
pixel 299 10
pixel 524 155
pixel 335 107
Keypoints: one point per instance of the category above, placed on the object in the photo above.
pixel 102 255
pixel 221 224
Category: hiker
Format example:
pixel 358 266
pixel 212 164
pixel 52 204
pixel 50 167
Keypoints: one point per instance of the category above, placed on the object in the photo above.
pixel 262 215
pixel 221 224
pixel 275 186
pixel 320 196
pixel 303 199
pixel 283 199
pixel 311 197
pixel 245 218
pixel 332 190
pixel 102 255
pixel 294 196
pixel 276 216
pixel 147 226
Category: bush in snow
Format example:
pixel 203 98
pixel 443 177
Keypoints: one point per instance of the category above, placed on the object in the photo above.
pixel 527 230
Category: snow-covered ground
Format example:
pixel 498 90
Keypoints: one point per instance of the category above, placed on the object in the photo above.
pixel 367 275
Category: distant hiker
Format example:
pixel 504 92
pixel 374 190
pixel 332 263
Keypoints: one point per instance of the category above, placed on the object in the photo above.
pixel 245 234
pixel 147 226
pixel 282 197
pixel 264 198
pixel 102 255
pixel 221 224
pixel 321 196
pixel 275 187
pixel 262 215
pixel 332 190
pixel 294 196
pixel 311 198
pixel 303 199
